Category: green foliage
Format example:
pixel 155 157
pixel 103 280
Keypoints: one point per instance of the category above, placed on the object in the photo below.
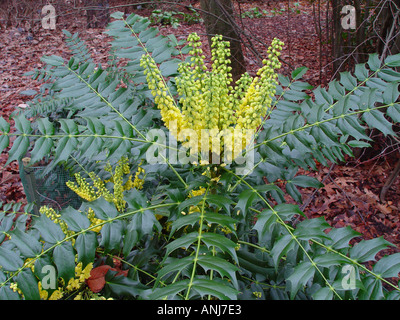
pixel 174 18
pixel 256 12
pixel 165 17
pixel 192 232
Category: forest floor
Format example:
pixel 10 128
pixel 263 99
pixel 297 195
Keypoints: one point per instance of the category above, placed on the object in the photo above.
pixel 350 195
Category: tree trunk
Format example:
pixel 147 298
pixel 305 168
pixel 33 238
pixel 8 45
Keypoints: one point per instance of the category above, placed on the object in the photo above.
pixel 98 13
pixel 218 18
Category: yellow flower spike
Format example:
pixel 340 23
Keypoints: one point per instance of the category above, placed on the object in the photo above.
pixel 43 293
pixel 55 217
pixel 86 271
pixel 56 295
pixel 207 100
pixel 94 221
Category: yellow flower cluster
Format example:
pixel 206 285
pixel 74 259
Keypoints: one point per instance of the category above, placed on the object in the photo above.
pixel 198 192
pixel 14 287
pixel 30 263
pixel 87 191
pixel 56 218
pixel 80 277
pixel 138 181
pixel 194 193
pixel 208 100
pixel 44 294
pixel 94 222
pixel 83 189
pixel 258 97
pixel 76 283
pixel 99 189
pixel 169 111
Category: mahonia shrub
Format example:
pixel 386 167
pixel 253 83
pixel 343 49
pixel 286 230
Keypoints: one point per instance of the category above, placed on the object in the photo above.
pixel 199 228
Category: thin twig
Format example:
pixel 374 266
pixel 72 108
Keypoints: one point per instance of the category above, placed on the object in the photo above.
pixel 311 197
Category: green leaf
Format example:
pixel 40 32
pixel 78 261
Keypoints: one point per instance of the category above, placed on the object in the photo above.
pixel 392 111
pixel 85 245
pixel 246 199
pixel 136 200
pixel 324 293
pixel 18 150
pixel 267 218
pixel 374 62
pixel 219 289
pixel 329 259
pixel 53 60
pixel 28 92
pixel 347 80
pixel 341 237
pixel 190 202
pixel 358 144
pixel 293 95
pixel 76 220
pixel 148 34
pixel 45 126
pixel 306 182
pixel 312 229
pixel 103 209
pixel 300 276
pixel 4 142
pixel 117 15
pixel 161 54
pixel 220 201
pixel 131 238
pixel 169 68
pixel 26 243
pixel 366 250
pixel 388 266
pixel 300 86
pixel 281 247
pixel 6 293
pixel 144 222
pixel 221 220
pixel 393 60
pixel 42 148
pixel 65 146
pixel 351 126
pixel 169 291
pixel 283 80
pixel 376 119
pixel 219 241
pixel 299 72
pixel 123 286
pixel 186 220
pixel 50 231
pixel 111 235
pixel 69 126
pixel 10 260
pixel 286 211
pixel 4 125
pixel 182 242
pixel 28 284
pixel 249 262
pixel 175 265
pixel 264 222
pixel 64 259
pixel 361 71
pixel 293 191
pixel 389 75
pixel 372 291
pixel 223 267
